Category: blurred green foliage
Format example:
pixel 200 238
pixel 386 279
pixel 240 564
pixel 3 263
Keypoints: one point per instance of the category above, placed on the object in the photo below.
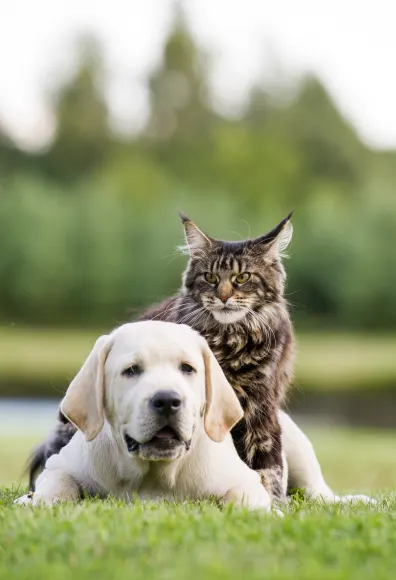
pixel 88 227
pixel 42 362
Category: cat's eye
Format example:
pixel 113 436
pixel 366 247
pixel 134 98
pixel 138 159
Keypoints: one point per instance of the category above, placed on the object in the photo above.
pixel 187 369
pixel 211 277
pixel 133 371
pixel 242 278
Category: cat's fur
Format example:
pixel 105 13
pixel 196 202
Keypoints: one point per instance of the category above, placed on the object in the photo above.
pixel 247 327
pixel 253 341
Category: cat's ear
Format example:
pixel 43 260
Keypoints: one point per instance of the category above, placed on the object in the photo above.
pixel 196 240
pixel 277 240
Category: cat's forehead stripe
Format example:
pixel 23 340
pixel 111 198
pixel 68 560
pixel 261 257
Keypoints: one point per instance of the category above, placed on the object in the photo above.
pixel 233 247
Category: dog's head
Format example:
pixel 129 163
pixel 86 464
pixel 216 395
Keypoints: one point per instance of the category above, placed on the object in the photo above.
pixel 157 384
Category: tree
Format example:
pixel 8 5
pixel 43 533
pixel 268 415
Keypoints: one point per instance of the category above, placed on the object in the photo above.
pixel 178 91
pixel 82 135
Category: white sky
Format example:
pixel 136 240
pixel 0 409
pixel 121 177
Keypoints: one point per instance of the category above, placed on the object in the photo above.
pixel 349 44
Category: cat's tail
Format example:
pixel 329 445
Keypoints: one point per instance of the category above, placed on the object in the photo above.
pixel 58 439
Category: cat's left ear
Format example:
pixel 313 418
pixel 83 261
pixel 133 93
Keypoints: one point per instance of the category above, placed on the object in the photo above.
pixel 277 240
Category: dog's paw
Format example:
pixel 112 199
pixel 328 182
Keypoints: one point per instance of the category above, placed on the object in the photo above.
pixel 352 499
pixel 26 499
pixel 256 498
pixel 277 512
pixel 332 498
pixel 324 494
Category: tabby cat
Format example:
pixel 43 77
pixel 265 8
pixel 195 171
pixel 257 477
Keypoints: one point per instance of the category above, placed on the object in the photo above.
pixel 232 293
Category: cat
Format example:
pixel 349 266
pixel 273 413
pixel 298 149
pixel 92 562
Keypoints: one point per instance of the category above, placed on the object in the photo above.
pixel 233 294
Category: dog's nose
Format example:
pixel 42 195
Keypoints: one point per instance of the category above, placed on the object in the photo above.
pixel 166 403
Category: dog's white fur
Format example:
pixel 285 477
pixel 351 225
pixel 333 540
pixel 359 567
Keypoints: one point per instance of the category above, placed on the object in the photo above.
pixel 105 404
pixel 304 469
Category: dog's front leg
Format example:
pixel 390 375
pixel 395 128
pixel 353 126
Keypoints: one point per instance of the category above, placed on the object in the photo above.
pixel 52 486
pixel 304 468
pixel 303 465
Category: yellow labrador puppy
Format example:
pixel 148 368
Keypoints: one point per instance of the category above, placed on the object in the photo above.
pixel 154 412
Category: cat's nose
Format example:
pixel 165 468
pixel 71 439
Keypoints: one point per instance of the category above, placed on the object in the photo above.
pixel 223 298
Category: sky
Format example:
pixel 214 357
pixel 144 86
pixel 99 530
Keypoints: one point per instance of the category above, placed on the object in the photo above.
pixel 349 44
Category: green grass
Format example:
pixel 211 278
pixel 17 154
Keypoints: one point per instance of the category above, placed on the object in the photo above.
pixel 108 539
pixel 37 361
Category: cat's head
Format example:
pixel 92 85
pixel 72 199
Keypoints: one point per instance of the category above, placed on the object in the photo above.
pixel 231 279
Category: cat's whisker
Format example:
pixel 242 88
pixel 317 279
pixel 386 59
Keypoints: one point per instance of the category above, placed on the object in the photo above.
pixel 191 316
pixel 172 309
pixel 194 321
pixel 173 257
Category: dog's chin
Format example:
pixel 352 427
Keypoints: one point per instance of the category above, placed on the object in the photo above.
pixel 166 445
pixel 228 316
pixel 154 451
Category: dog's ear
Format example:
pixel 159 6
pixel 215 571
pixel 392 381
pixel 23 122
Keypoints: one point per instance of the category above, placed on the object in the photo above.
pixel 83 402
pixel 222 410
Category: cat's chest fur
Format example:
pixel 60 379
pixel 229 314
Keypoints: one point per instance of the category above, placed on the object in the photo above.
pixel 237 349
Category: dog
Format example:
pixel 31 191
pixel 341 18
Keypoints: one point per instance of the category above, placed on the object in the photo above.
pixel 154 413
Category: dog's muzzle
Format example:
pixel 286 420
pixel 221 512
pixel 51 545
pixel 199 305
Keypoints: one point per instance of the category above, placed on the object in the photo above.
pixel 166 440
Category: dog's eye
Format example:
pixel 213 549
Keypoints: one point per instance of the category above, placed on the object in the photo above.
pixel 133 371
pixel 187 369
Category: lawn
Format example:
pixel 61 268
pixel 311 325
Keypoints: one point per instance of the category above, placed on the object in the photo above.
pixel 104 540
pixel 96 539
pixel 37 361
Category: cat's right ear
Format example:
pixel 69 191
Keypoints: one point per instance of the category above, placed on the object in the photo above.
pixel 196 241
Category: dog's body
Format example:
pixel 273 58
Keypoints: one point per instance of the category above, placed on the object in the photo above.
pixel 154 412
pixel 102 468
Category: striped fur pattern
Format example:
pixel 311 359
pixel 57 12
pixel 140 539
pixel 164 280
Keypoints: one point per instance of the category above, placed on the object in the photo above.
pixel 247 326
pixel 232 293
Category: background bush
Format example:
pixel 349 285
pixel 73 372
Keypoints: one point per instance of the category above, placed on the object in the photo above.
pixel 88 227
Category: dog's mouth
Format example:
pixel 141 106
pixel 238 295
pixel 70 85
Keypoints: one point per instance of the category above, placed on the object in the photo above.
pixel 166 434
pixel 164 438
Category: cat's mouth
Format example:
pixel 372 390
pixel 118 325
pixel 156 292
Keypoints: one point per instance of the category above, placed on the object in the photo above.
pixel 229 308
pixel 228 314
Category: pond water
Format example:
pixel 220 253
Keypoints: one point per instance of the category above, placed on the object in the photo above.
pixel 21 415
pixel 356 409
pixel 372 408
